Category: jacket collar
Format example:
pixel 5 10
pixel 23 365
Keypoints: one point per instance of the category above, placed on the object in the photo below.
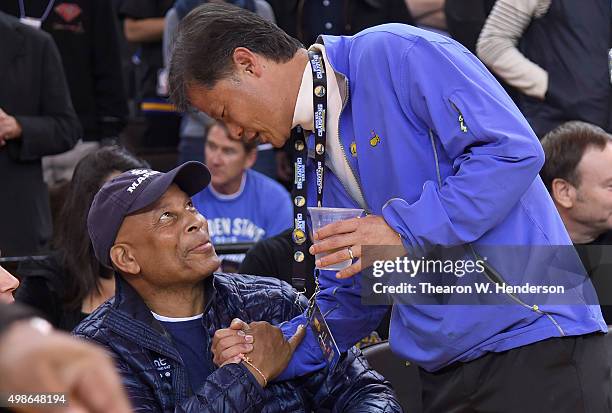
pixel 131 318
pixel 128 301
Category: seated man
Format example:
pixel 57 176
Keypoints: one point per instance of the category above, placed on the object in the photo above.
pixel 578 175
pixel 169 304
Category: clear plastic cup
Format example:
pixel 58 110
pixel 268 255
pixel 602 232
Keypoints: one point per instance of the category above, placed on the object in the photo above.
pixel 321 217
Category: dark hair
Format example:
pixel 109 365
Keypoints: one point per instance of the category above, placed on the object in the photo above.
pixel 564 147
pixel 206 40
pixel 248 145
pixel 77 258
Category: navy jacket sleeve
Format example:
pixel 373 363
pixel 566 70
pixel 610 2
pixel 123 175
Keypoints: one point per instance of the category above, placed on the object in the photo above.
pixel 231 388
pixel 56 128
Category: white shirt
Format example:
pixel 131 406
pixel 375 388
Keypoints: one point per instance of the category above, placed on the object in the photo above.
pixel 304 116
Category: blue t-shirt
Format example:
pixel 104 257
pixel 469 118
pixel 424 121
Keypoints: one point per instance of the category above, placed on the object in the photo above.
pixel 260 209
pixel 193 344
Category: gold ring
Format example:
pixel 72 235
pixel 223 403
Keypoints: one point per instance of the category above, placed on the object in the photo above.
pixel 351 253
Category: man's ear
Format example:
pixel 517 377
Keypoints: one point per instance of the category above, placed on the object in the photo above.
pixel 563 193
pixel 124 260
pixel 247 61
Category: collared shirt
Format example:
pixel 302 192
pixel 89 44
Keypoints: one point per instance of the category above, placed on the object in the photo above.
pixel 304 116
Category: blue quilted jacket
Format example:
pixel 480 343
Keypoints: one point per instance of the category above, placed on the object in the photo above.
pixel 156 380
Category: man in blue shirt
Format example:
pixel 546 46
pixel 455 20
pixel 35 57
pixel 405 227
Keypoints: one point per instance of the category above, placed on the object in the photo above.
pixel 240 204
pixel 422 137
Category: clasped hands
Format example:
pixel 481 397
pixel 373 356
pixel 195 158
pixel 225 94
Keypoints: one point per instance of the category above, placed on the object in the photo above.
pixel 261 346
pixel 269 352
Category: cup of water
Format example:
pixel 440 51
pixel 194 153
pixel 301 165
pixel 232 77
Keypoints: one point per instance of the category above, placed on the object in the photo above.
pixel 321 217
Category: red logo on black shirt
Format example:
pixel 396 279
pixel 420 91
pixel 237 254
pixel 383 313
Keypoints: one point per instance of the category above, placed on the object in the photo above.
pixel 68 11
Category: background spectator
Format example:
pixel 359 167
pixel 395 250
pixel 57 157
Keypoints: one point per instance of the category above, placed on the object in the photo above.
pixel 428 14
pixel 195 123
pixel 143 23
pixel 71 283
pixel 465 18
pixel 556 54
pixel 307 19
pixel 36 119
pixel 86 35
pixel 241 205
pixel 578 175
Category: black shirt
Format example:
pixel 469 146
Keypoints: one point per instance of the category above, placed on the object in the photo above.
pixel 150 53
pixel 43 288
pixel 596 256
pixel 272 257
pixel 307 19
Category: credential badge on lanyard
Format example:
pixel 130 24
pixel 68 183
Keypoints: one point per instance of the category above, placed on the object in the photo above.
pixel 316 319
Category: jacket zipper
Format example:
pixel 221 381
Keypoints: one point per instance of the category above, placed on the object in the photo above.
pixel 344 102
pixel 461 119
pixel 490 272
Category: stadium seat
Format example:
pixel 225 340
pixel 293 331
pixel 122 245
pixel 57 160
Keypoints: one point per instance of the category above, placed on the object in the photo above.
pixel 403 376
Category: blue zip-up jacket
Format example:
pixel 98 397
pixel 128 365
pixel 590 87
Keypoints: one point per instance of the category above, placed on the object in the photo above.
pixel 444 155
pixel 155 378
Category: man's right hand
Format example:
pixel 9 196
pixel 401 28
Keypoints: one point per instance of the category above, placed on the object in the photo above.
pixel 269 351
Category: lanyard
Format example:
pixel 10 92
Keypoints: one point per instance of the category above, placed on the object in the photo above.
pixel 22 12
pixel 319 93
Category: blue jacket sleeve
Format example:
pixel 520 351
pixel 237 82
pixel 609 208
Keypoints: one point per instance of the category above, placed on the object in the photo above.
pixel 348 320
pixel 494 155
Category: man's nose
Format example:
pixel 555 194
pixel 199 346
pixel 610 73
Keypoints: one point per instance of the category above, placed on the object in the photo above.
pixel 212 156
pixel 196 222
pixel 8 283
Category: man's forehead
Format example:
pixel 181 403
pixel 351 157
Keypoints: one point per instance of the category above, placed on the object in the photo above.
pixel 172 195
pixel 595 164
pixel 220 136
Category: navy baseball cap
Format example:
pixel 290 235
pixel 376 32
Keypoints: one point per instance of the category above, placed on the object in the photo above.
pixel 132 191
